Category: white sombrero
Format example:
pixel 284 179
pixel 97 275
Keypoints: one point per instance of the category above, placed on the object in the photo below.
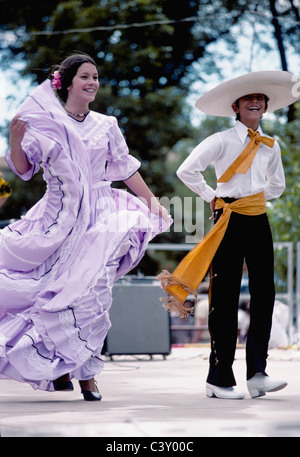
pixel 279 86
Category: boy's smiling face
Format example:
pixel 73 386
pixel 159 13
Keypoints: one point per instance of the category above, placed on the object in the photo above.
pixel 250 108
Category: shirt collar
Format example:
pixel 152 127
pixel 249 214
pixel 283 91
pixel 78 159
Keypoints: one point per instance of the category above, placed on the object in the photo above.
pixel 242 131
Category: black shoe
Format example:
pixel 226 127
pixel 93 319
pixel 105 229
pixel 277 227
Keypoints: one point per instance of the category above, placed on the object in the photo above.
pixel 90 396
pixel 60 386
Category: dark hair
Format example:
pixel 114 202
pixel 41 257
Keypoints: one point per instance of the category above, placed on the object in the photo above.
pixel 68 69
pixel 237 103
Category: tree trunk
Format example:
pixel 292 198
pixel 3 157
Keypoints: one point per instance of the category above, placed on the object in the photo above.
pixel 281 49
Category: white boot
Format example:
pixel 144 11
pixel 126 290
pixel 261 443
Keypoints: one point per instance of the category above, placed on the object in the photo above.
pixel 227 393
pixel 259 384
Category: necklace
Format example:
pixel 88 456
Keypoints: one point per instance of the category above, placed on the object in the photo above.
pixel 78 115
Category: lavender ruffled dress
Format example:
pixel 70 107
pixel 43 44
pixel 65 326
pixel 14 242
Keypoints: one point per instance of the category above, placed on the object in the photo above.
pixel 58 263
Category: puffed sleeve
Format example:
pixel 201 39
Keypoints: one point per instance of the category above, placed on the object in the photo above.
pixel 120 164
pixel 33 153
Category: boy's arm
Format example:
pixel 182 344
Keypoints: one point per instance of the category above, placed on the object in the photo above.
pixel 190 172
pixel 275 175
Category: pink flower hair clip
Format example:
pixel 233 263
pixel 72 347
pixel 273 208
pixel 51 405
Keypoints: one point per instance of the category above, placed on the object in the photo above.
pixel 56 82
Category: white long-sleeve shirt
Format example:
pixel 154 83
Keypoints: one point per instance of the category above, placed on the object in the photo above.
pixel 221 149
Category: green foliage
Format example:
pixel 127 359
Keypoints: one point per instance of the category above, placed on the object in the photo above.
pixel 284 211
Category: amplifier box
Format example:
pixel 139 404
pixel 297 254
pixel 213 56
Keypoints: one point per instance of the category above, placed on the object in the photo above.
pixel 140 324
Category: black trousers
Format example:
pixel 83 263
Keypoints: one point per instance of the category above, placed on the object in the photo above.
pixel 247 238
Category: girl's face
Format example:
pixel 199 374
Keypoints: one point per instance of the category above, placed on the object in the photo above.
pixel 85 84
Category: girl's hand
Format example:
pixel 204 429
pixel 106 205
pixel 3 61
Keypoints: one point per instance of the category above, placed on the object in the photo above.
pixel 17 131
pixel 156 208
pixel 139 187
pixel 163 213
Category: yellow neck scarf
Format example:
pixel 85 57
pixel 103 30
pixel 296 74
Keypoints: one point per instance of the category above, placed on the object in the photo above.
pixel 192 269
pixel 245 159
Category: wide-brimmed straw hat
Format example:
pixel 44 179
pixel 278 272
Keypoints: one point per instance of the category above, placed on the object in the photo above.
pixel 278 86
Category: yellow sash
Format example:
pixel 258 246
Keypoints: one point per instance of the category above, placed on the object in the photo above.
pixel 192 269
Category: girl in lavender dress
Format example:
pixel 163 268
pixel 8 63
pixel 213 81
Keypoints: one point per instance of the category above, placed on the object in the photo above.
pixel 59 262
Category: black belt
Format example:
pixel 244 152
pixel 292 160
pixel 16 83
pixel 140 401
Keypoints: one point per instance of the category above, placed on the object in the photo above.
pixel 229 199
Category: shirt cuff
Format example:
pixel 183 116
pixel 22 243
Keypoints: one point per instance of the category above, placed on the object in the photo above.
pixel 208 195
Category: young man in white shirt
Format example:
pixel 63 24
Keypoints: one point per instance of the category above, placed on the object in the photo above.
pixel 248 237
